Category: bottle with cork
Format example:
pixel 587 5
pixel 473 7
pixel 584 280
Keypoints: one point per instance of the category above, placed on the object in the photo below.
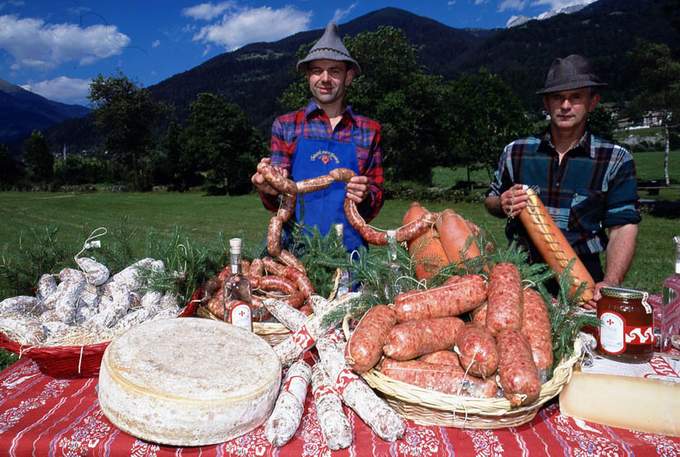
pixel 237 298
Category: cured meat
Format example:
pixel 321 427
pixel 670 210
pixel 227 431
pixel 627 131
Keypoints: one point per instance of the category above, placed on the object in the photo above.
pixel 504 310
pixel 365 346
pixel 411 339
pixel 333 421
pixel 285 419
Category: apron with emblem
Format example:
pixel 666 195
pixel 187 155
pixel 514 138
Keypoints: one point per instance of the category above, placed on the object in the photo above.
pixel 323 208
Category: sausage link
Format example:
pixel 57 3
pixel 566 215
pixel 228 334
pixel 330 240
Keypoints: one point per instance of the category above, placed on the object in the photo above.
pixel 314 184
pixel 303 283
pixel 516 368
pixel 415 228
pixel 289 259
pixel 504 310
pixel 272 266
pixel 478 354
pixel 479 315
pixel 365 346
pixel 277 180
pixel 287 208
pixel 256 267
pixel 273 283
pixel 537 330
pixel 459 295
pixel 274 236
pixel 445 357
pixel 441 378
pixel 245 267
pixel 369 234
pixel 342 174
pixel 415 338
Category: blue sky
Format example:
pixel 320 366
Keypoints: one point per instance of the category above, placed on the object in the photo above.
pixel 55 47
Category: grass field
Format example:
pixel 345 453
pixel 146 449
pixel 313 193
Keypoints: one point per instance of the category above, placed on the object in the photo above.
pixel 204 219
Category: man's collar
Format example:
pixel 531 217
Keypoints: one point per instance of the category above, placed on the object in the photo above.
pixel 313 107
pixel 582 147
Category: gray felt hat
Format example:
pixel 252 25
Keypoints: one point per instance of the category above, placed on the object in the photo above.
pixel 571 72
pixel 329 47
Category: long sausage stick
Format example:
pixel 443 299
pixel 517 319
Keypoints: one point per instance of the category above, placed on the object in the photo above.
pixel 553 246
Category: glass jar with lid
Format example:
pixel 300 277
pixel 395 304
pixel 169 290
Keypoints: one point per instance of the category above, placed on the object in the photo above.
pixel 626 330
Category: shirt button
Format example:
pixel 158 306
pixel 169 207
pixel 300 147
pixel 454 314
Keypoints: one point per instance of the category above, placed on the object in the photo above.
pixel 557 185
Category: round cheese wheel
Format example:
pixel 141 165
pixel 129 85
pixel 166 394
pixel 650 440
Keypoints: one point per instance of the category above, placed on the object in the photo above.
pixel 188 382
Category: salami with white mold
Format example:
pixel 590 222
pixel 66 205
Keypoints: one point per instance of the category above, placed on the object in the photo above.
pixel 285 419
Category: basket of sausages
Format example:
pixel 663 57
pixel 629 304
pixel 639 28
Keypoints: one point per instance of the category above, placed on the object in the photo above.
pixel 268 278
pixel 474 352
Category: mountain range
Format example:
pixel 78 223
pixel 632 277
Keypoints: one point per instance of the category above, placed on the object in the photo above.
pixel 23 111
pixel 255 75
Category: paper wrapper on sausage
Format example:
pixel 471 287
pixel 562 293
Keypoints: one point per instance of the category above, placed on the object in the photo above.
pixel 516 368
pixel 285 419
pixel 332 418
pixel 552 245
pixel 537 330
pixel 441 378
pixel 356 394
pixel 290 317
pixel 304 338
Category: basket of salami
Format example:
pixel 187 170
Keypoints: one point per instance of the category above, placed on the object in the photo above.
pixel 73 316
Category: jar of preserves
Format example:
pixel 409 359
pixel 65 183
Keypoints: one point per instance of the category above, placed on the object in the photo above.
pixel 626 332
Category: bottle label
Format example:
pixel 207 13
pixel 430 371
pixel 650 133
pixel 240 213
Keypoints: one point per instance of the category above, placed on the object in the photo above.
pixel 611 333
pixel 241 317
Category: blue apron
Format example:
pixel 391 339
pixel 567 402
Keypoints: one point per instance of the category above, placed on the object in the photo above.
pixel 324 208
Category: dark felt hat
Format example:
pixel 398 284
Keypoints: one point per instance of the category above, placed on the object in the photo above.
pixel 571 72
pixel 329 47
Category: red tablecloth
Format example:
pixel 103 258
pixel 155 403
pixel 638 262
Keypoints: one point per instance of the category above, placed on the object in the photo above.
pixel 43 416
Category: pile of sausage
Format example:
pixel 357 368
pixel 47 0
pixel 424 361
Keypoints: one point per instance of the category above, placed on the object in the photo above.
pixel 421 339
pixel 267 277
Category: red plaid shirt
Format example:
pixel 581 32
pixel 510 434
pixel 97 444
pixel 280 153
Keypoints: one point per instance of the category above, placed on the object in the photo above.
pixel 363 131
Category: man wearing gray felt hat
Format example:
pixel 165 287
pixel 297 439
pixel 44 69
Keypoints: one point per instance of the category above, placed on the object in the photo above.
pixel 587 184
pixel 324 135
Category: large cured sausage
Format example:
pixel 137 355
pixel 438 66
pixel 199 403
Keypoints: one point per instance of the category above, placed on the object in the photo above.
pixel 365 346
pixel 504 301
pixel 516 368
pixel 456 237
pixel 538 332
pixel 477 348
pixel 552 245
pixel 415 338
pixel 425 250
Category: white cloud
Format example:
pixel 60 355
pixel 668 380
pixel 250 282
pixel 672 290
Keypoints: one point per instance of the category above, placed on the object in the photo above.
pixel 341 14
pixel 207 11
pixel 512 5
pixel 559 4
pixel 480 2
pixel 33 43
pixel 62 89
pixel 250 25
pixel 451 2
pixel 156 43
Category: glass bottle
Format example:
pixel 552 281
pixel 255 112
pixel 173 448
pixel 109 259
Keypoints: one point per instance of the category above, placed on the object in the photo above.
pixel 237 290
pixel 344 282
pixel 670 309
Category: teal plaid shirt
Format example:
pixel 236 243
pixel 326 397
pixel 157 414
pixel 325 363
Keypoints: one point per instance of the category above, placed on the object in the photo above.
pixel 592 189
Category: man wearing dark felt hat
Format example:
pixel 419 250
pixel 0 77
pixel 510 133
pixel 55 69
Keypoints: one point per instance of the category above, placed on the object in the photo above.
pixel 324 135
pixel 587 184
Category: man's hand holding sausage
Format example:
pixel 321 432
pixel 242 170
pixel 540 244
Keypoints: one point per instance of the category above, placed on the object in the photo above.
pixel 357 188
pixel 261 184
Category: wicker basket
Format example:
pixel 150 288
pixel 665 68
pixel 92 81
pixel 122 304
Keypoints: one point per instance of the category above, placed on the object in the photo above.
pixel 72 361
pixel 427 407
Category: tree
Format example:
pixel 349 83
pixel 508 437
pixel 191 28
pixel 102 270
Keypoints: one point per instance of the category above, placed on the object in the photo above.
pixel 219 142
pixel 9 169
pixel 38 159
pixel 602 123
pixel 484 116
pixel 659 80
pixel 127 115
